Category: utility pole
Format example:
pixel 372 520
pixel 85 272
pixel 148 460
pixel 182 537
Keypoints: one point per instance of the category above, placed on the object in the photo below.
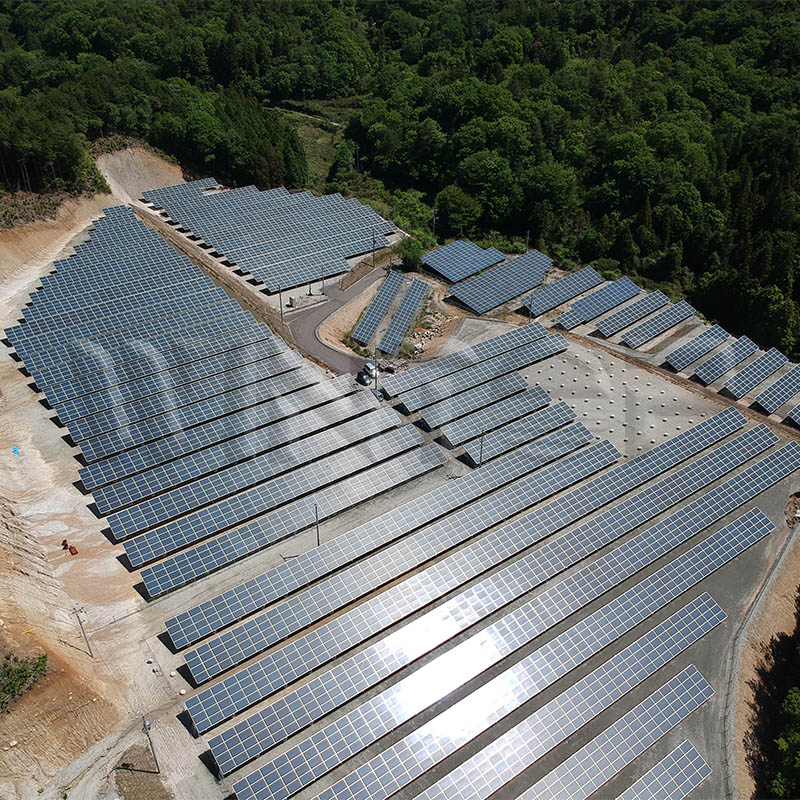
pixel 358 163
pixel 280 303
pixel 530 308
pixel 77 611
pixel 435 216
pixel 146 729
pixel 316 519
pixel 323 284
pixel 480 459
pixel 373 248
pixel 527 238
pixel 375 364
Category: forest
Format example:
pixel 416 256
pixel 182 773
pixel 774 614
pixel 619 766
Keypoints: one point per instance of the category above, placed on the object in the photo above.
pixel 656 139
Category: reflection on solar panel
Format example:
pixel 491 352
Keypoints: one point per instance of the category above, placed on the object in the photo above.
pixel 327 641
pixel 276 421
pixel 725 360
pixel 632 313
pixel 392 707
pixel 465 379
pixel 480 397
pixel 212 408
pixel 432 742
pixel 786 387
pixel 217 612
pixel 178 396
pixel 520 431
pixel 599 302
pixel 460 259
pixel 403 317
pixel 252 502
pixel 496 286
pixel 258 534
pixel 366 328
pixel 495 415
pixel 445 365
pixel 661 322
pixel 232 648
pixel 673 778
pixel 621 743
pixel 757 372
pixel 686 354
pixel 562 291
pixel 247 686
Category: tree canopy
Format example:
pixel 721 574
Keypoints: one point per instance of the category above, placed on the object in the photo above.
pixel 660 139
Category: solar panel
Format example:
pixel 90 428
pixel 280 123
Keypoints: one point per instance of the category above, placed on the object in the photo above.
pixel 167 380
pixel 688 353
pixel 254 536
pixel 422 749
pixel 217 612
pixel 272 673
pixel 248 597
pixel 502 283
pixel 460 259
pixel 254 501
pixel 411 695
pixel 276 421
pixel 632 313
pixel 620 744
pixel 786 387
pixel 493 416
pixel 479 397
pixel 218 406
pixel 599 302
pixel 233 466
pixel 368 324
pixel 464 379
pixel 403 317
pixel 231 648
pixel 673 778
pixel 725 360
pixel 660 323
pixel 466 357
pixel 562 291
pixel 755 373
pixel 359 672
pixel 520 431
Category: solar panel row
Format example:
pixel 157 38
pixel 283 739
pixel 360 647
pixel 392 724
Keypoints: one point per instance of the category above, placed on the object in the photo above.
pixel 562 291
pixel 460 259
pixel 632 313
pixel 673 778
pixel 403 317
pixel 755 373
pixel 502 283
pixel 368 324
pixel 660 323
pixel 725 360
pixel 599 302
pixel 688 353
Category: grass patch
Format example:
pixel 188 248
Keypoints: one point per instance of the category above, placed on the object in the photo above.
pixel 18 675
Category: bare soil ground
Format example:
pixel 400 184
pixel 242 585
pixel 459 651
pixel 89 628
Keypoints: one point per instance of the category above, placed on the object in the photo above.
pixel 776 618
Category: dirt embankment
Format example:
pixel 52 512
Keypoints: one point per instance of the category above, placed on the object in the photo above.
pixel 50 738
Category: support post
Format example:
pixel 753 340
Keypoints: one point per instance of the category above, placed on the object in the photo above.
pixel 77 611
pixel 480 458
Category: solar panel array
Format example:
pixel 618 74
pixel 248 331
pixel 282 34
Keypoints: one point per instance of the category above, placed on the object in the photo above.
pixel 755 373
pixel 621 743
pixel 460 259
pixel 403 317
pixel 720 363
pixel 464 379
pixel 673 778
pixel 368 324
pixel 500 284
pixel 626 317
pixel 660 323
pixel 688 353
pixel 281 239
pixel 562 291
pixel 394 385
pixel 783 390
pixel 599 302
pixel 187 434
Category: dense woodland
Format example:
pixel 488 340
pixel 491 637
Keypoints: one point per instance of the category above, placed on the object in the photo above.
pixel 657 139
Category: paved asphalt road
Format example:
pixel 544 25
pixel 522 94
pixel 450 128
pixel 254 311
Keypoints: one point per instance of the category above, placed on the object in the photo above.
pixel 304 325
